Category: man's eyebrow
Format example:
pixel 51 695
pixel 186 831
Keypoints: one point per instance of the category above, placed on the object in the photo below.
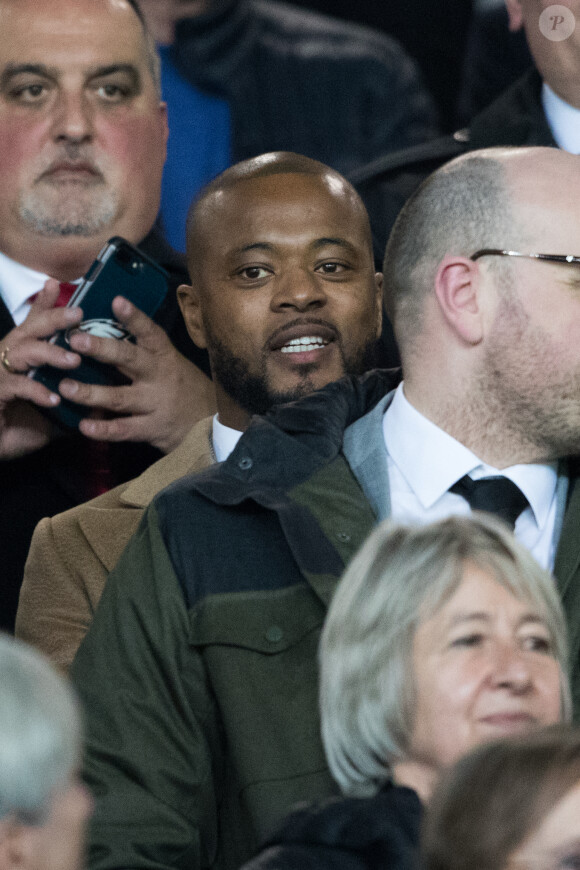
pixel 338 241
pixel 114 68
pixel 255 246
pixel 316 245
pixel 14 69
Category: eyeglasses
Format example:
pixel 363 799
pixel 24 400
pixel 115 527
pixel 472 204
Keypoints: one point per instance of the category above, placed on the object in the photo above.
pixel 552 258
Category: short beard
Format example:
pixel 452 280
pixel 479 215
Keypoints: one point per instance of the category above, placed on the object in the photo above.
pixel 252 392
pixel 529 409
pixel 85 216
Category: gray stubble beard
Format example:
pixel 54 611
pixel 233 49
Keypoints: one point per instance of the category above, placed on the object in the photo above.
pixel 85 216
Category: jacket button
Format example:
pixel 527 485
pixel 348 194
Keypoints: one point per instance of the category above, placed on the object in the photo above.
pixel 343 537
pixel 245 464
pixel 274 634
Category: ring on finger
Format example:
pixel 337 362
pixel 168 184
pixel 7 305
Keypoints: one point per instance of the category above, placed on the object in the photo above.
pixel 6 362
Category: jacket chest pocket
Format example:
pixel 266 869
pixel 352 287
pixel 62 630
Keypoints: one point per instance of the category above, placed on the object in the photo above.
pixel 260 654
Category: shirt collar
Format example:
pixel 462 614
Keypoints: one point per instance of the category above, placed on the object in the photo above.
pixel 18 283
pixel 431 460
pixel 224 439
pixel 563 119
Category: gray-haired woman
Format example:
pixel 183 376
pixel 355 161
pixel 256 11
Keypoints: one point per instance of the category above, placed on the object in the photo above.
pixel 44 808
pixel 439 638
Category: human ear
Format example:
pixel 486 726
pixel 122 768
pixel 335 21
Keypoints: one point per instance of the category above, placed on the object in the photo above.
pixel 457 288
pixel 515 14
pixel 189 302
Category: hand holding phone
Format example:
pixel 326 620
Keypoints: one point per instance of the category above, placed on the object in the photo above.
pixel 23 429
pixel 120 269
pixel 167 393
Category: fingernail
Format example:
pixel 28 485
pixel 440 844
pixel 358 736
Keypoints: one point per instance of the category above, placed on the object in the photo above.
pixel 82 341
pixel 123 306
pixel 72 313
pixel 70 387
pixel 71 358
pixel 54 399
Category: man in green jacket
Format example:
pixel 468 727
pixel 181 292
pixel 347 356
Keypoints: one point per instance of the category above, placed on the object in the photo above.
pixel 199 673
pixel 282 307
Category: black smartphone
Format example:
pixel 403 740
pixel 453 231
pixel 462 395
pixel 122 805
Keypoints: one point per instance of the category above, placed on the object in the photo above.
pixel 121 269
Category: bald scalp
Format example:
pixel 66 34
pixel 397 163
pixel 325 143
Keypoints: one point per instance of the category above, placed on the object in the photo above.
pixel 459 209
pixel 264 166
pixel 151 53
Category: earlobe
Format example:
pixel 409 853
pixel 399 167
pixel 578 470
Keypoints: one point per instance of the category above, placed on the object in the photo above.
pixel 457 287
pixel 515 14
pixel 188 298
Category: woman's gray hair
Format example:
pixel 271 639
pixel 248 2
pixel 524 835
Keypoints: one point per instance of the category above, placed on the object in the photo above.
pixel 401 576
pixel 40 732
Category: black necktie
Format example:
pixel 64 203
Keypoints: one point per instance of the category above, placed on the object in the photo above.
pixel 497 495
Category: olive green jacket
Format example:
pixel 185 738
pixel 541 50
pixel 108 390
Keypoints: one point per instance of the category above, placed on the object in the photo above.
pixel 199 674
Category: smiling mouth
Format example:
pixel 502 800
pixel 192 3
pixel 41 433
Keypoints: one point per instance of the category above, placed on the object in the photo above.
pixel 304 344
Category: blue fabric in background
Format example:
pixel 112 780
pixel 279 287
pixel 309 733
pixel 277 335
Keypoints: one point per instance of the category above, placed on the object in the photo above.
pixel 199 147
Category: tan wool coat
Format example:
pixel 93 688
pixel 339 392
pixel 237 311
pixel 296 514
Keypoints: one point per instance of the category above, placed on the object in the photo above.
pixel 72 553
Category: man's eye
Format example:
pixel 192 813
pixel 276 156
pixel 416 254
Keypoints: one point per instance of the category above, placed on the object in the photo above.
pixel 254 273
pixel 331 268
pixel 112 92
pixel 29 93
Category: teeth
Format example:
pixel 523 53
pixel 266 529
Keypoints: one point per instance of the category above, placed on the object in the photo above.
pixel 300 345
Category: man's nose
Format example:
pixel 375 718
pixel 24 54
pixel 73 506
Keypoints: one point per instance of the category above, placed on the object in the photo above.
pixel 73 117
pixel 299 289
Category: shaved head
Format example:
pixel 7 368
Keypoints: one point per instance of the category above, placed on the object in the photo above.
pixel 490 345
pixel 284 293
pixel 273 163
pixel 483 199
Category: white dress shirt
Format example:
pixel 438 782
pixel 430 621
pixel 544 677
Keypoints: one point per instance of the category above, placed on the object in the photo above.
pixel 424 461
pixel 224 439
pixel 563 119
pixel 17 284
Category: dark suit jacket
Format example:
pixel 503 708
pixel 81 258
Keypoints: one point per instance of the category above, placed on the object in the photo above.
pixel 515 118
pixel 52 480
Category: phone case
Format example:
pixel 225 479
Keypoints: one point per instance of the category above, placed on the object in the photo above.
pixel 120 270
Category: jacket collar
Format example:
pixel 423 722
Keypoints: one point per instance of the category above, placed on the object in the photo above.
pixel 515 118
pixel 286 446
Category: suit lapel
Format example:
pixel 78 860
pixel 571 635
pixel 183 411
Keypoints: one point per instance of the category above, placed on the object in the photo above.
pixel 364 447
pixel 108 526
pixel 108 531
pixel 567 573
pixel 6 322
pixel 567 562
